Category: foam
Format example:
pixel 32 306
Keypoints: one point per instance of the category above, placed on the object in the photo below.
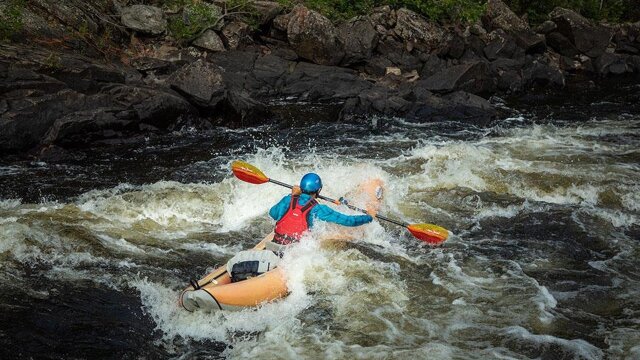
pixel 576 347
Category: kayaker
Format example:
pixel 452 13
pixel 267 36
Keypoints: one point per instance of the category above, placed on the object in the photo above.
pixel 296 213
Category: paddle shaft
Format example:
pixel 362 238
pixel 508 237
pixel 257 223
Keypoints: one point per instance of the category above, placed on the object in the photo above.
pixel 400 223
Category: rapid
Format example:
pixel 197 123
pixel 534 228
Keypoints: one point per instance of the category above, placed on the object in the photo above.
pixel 542 261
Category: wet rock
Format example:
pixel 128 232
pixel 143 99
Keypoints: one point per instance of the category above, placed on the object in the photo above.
pixel 611 64
pixel 245 111
pixel 359 38
pixel 145 19
pixel 499 16
pixel 471 77
pixel 84 126
pixel 209 40
pixel 591 40
pixel 561 44
pixel 417 32
pixel 539 73
pixel 546 27
pixel 157 107
pixel 313 37
pixel 200 82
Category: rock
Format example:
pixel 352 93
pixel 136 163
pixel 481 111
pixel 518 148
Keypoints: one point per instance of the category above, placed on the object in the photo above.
pixel 538 73
pixel 359 38
pixel 145 19
pixel 471 77
pixel 454 47
pixel 614 64
pixel 499 16
pixel 472 105
pixel 383 16
pixel 634 63
pixel 500 45
pixel 509 80
pixel 84 126
pixel 209 40
pixel 561 44
pixel 235 33
pixel 268 10
pixel 313 37
pixel 322 83
pixel 588 39
pixel 377 65
pixel 271 69
pixel 433 65
pixel 546 27
pixel 281 22
pixel 398 55
pixel 531 42
pixel 417 31
pixel 201 82
pixel 246 111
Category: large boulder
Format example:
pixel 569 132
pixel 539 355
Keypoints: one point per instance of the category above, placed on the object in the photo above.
pixel 499 16
pixel 200 82
pixel 473 77
pixel 144 18
pixel 561 44
pixel 313 37
pixel 359 38
pixel 591 40
pixel 417 32
pixel 500 45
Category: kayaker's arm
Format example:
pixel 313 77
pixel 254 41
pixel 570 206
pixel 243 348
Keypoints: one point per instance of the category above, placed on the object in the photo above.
pixel 278 210
pixel 325 213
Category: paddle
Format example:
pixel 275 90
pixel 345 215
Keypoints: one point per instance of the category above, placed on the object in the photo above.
pixel 432 234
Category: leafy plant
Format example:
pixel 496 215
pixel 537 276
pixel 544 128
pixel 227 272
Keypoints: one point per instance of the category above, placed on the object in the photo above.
pixel 196 17
pixel 11 18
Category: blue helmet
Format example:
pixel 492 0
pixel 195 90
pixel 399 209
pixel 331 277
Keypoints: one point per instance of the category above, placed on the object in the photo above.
pixel 310 183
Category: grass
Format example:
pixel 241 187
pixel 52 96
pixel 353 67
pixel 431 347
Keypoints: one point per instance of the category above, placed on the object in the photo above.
pixel 11 18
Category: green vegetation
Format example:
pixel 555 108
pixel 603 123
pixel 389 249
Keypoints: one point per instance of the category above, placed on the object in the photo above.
pixel 196 17
pixel 472 10
pixel 610 10
pixel 11 18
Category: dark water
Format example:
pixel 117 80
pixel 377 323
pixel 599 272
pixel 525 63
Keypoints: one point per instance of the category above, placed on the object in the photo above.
pixel 542 262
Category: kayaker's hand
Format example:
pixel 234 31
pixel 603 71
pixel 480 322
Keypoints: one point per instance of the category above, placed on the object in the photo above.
pixel 295 190
pixel 372 211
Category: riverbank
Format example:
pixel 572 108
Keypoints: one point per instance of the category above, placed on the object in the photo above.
pixel 77 74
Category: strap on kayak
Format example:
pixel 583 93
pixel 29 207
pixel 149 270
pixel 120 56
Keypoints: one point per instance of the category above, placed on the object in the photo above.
pixel 195 284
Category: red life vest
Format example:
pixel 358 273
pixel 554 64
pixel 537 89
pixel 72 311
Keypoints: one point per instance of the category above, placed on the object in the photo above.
pixel 294 222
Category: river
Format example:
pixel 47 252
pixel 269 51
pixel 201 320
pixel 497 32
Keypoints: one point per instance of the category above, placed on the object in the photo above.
pixel 542 262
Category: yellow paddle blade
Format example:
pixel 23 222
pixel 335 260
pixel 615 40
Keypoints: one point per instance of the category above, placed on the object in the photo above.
pixel 249 173
pixel 432 234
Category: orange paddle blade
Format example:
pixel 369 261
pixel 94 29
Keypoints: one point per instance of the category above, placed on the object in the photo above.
pixel 429 233
pixel 249 173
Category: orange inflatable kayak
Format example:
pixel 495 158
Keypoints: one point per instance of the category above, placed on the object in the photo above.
pixel 216 291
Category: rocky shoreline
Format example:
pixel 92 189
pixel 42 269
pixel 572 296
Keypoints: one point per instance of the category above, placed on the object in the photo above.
pixel 64 83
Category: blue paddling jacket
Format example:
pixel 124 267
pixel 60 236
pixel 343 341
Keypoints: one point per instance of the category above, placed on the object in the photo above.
pixel 320 211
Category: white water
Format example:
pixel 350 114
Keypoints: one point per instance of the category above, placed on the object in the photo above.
pixel 387 296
